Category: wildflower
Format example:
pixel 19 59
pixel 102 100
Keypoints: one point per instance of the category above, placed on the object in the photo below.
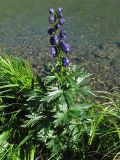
pixel 61 21
pixel 51 30
pixel 59 12
pixel 57 26
pixel 52 19
pixel 65 47
pixel 62 34
pixel 51 11
pixel 53 51
pixel 59 9
pixel 65 61
pixel 54 40
pixel 57 39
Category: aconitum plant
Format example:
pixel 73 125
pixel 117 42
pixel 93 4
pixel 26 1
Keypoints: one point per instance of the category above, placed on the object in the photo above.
pixel 59 46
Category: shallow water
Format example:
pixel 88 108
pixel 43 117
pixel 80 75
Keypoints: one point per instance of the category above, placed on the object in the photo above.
pixel 93 29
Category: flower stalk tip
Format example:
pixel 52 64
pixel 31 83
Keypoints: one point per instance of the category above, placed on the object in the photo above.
pixel 58 37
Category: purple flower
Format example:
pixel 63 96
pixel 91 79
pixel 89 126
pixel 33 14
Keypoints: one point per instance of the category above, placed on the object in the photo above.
pixel 53 51
pixel 62 34
pixel 59 9
pixel 57 26
pixel 51 11
pixel 54 40
pixel 65 61
pixel 51 30
pixel 52 19
pixel 65 47
pixel 61 21
pixel 57 38
pixel 59 12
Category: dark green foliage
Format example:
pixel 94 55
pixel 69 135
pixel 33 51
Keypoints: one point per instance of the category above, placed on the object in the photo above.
pixel 55 116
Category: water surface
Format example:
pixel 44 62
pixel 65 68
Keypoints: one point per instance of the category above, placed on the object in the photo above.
pixel 93 29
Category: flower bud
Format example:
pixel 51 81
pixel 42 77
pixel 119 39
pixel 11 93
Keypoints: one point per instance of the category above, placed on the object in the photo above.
pixel 51 11
pixel 52 19
pixel 61 21
pixel 54 40
pixel 65 61
pixel 62 34
pixel 59 12
pixel 57 26
pixel 59 9
pixel 65 47
pixel 51 30
pixel 53 51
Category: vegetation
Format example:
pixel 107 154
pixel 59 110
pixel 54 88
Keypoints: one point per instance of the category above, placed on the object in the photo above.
pixel 56 115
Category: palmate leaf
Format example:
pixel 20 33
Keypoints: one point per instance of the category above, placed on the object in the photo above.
pixel 45 133
pixel 84 106
pixel 52 94
pixel 69 99
pixel 75 133
pixel 56 146
pixel 61 118
pixel 85 91
pixel 83 79
pixel 80 72
pixel 32 95
pixel 50 78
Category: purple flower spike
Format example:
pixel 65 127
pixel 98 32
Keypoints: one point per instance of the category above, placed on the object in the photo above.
pixel 62 34
pixel 65 47
pixel 53 51
pixel 61 21
pixel 57 38
pixel 51 11
pixel 51 30
pixel 52 19
pixel 65 61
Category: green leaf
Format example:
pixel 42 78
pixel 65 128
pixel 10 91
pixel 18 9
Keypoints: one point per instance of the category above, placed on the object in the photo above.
pixel 52 95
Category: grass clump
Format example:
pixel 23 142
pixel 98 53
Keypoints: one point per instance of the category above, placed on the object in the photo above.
pixel 16 84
